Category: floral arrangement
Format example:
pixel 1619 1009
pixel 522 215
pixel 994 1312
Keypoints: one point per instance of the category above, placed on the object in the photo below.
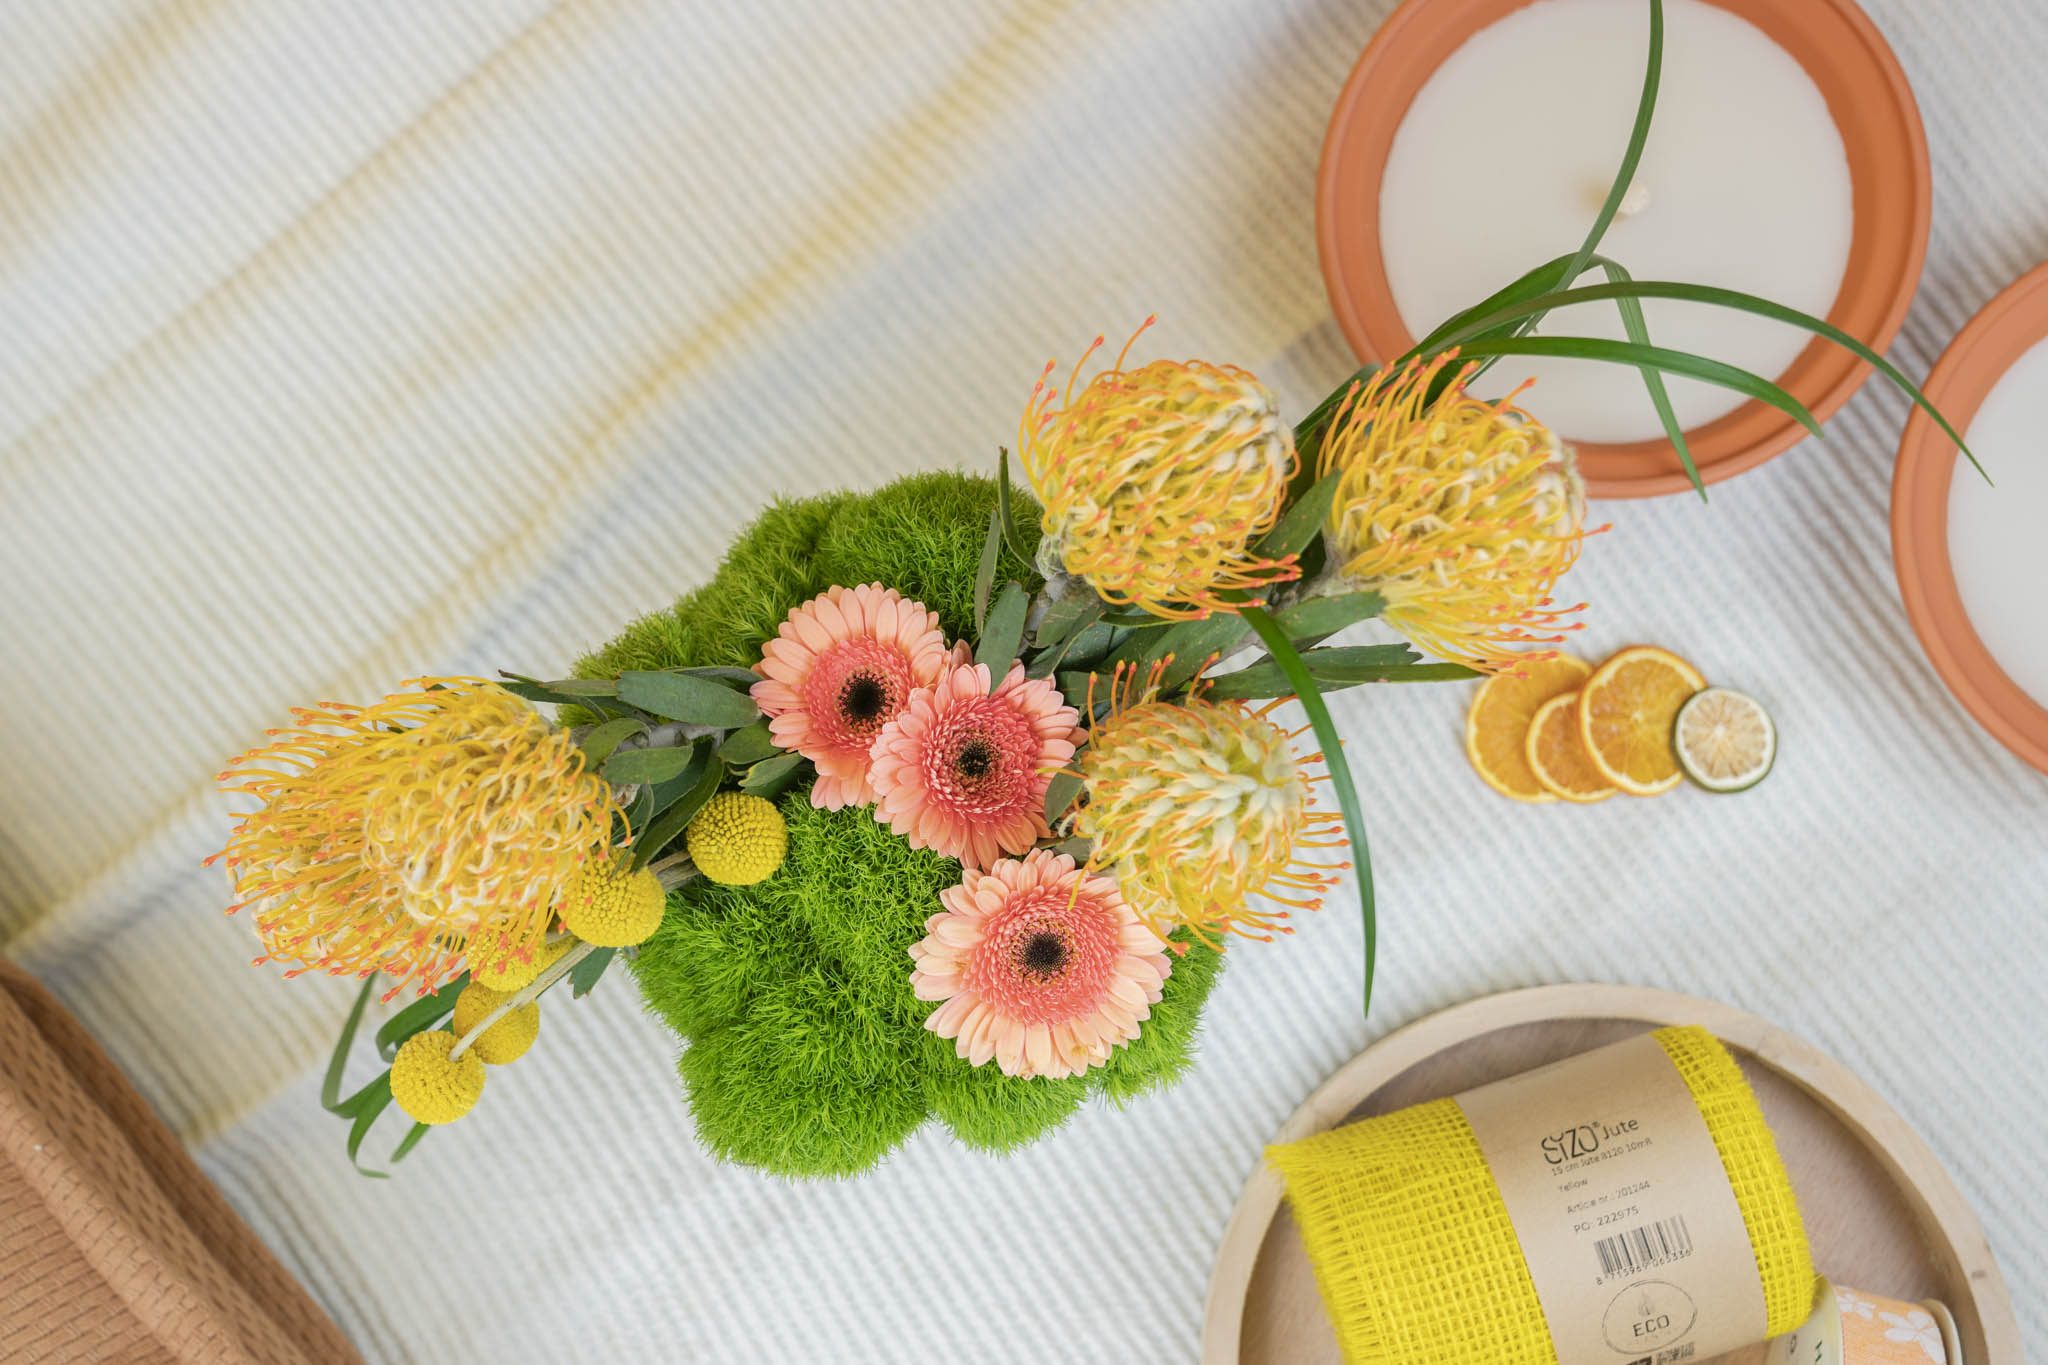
pixel 941 801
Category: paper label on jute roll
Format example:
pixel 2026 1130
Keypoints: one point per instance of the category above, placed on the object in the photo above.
pixel 1622 1208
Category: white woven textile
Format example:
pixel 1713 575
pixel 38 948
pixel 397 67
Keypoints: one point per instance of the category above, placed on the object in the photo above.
pixel 349 340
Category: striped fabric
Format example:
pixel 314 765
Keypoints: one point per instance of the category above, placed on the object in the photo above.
pixel 349 340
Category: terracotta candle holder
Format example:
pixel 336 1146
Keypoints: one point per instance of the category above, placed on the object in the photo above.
pixel 1975 361
pixel 1873 108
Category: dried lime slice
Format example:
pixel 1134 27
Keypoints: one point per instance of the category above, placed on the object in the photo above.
pixel 1725 740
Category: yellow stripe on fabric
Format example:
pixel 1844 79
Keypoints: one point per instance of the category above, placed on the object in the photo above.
pixel 1417 1258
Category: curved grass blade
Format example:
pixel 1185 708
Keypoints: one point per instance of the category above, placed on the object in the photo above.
pixel 412 1140
pixel 1636 356
pixel 377 1099
pixel 1638 329
pixel 1283 653
pixel 330 1084
pixel 1646 108
pixel 1737 301
pixel 985 572
pixel 1028 554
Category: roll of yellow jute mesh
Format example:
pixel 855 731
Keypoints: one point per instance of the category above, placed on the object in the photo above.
pixel 1419 1264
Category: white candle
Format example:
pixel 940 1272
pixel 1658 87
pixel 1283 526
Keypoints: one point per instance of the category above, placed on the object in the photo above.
pixel 1505 156
pixel 1994 534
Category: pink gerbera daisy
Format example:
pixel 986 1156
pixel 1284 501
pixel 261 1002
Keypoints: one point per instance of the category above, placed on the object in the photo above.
pixel 841 668
pixel 963 770
pixel 1040 965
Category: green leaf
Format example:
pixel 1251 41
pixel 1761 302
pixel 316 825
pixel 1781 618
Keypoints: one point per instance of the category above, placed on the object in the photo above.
pixel 1299 524
pixel 1028 554
pixel 330 1084
pixel 1328 615
pixel 666 793
pixel 377 1101
pixel 1060 793
pixel 985 573
pixel 1086 648
pixel 1282 649
pixel 1193 645
pixel 1346 666
pixel 1003 636
pixel 1066 618
pixel 660 831
pixel 750 745
pixel 648 765
pixel 412 1140
pixel 692 700
pixel 584 974
pixel 742 678
pixel 1074 686
pixel 640 812
pixel 1626 288
pixel 599 741
pixel 421 1015
pixel 1671 362
pixel 770 779
pixel 577 689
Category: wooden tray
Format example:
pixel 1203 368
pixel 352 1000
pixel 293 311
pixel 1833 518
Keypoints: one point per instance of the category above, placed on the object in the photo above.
pixel 1882 1213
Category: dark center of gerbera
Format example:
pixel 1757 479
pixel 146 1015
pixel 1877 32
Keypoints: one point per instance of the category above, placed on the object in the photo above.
pixel 976 759
pixel 1044 953
pixel 863 699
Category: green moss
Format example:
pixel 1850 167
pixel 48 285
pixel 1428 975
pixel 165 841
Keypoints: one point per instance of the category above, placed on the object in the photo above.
pixel 806 1053
pixel 991 1111
pixel 923 536
pixel 1165 1046
pixel 811 1082
pixel 864 894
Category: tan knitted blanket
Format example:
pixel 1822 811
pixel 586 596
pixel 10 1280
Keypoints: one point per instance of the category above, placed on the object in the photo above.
pixel 113 1246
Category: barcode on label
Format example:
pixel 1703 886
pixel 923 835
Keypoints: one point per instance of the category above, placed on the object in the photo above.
pixel 1652 1244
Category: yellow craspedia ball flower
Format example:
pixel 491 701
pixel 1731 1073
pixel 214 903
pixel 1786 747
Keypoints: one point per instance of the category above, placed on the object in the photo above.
pixel 1463 514
pixel 506 967
pixel 504 1041
pixel 737 840
pixel 611 905
pixel 1157 481
pixel 430 1087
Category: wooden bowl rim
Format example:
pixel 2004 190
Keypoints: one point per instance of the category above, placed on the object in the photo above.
pixel 1983 1305
pixel 1892 185
pixel 1989 344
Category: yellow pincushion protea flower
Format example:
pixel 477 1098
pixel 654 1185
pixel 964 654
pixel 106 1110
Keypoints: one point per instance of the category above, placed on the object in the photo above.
pixel 1200 810
pixel 1463 514
pixel 1156 481
pixel 397 837
pixel 428 1085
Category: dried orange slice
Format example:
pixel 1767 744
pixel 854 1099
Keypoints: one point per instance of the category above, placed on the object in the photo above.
pixel 1557 756
pixel 1626 713
pixel 1497 726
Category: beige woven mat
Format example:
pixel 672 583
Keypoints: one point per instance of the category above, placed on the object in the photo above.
pixel 112 1245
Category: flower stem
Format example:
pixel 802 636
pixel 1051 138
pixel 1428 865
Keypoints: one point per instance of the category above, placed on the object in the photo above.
pixel 560 968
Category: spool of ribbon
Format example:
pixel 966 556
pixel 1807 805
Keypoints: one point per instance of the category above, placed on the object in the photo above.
pixel 1419 1262
pixel 1854 1327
